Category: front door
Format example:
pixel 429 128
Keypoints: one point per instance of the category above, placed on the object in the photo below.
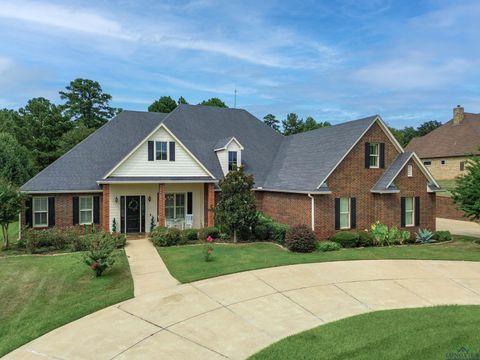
pixel 133 214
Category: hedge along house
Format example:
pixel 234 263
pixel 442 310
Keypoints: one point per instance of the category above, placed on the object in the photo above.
pixel 146 167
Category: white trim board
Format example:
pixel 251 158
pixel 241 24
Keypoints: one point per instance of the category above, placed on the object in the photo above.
pixel 228 143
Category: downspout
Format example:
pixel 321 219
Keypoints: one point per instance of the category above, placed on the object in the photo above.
pixel 313 211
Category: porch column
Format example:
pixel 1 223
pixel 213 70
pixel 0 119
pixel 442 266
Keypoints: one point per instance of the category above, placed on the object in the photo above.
pixel 161 205
pixel 106 208
pixel 210 204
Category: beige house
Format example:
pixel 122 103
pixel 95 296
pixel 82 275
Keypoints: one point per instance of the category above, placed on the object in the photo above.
pixel 444 150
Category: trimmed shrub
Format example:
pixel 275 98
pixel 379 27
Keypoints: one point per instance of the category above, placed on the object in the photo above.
pixel 328 246
pixel 365 239
pixel 300 238
pixel 276 231
pixel 162 236
pixel 38 241
pixel 442 235
pixel 190 234
pixel 80 243
pixel 212 231
pixel 100 253
pixel 120 240
pixel 261 232
pixel 346 239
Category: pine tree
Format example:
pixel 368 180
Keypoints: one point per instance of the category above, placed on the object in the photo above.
pixel 466 193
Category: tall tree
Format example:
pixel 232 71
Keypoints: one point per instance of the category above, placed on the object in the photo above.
pixel 10 205
pixel 466 193
pixel 236 208
pixel 214 102
pixel 181 100
pixel 16 162
pixel 427 127
pixel 292 125
pixel 9 121
pixel 86 103
pixel 71 138
pixel 164 105
pixel 312 124
pixel 271 121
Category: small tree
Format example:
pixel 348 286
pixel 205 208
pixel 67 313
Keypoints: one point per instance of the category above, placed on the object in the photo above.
pixel 466 193
pixel 236 208
pixel 10 205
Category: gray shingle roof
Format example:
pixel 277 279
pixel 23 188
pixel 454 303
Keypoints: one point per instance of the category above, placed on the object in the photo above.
pixel 385 183
pixel 223 142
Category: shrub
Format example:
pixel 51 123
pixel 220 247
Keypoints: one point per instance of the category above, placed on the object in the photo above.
pixel 100 253
pixel 276 231
pixel 212 231
pixel 328 246
pixel 38 241
pixel 365 239
pixel 162 236
pixel 120 240
pixel 208 249
pixel 80 243
pixel 424 236
pixel 442 235
pixel 261 232
pixel 300 238
pixel 380 234
pixel 347 239
pixel 190 234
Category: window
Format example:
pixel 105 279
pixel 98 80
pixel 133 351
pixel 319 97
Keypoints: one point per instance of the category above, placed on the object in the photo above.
pixel 86 210
pixel 427 163
pixel 232 160
pixel 161 150
pixel 175 206
pixel 443 162
pixel 409 170
pixel 374 155
pixel 462 165
pixel 40 211
pixel 409 211
pixel 344 213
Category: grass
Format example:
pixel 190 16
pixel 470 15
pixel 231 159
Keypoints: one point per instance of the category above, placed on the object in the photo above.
pixel 186 263
pixel 12 233
pixel 447 185
pixel 41 293
pixel 422 333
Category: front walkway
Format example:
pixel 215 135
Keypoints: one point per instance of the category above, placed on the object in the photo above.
pixel 458 227
pixel 236 315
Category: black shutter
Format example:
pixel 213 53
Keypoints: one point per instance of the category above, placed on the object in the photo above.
pixel 382 155
pixel 122 214
pixel 96 209
pixel 51 211
pixel 150 150
pixel 417 210
pixel 28 212
pixel 172 150
pixel 402 212
pixel 76 213
pixel 367 155
pixel 337 213
pixel 142 214
pixel 189 203
pixel 353 213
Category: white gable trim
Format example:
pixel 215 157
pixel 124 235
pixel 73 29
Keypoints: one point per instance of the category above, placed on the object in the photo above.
pixel 378 120
pixel 160 126
pixel 228 143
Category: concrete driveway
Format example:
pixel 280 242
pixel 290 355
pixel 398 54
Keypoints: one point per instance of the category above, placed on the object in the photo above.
pixel 236 315
pixel 458 227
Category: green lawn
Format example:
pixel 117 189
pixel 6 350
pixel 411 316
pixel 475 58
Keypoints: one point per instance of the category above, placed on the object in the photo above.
pixel 186 263
pixel 447 185
pixel 423 333
pixel 12 233
pixel 40 293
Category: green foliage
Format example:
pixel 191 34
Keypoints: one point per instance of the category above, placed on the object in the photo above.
pixel 328 246
pixel 214 102
pixel 164 105
pixel 16 162
pixel 427 127
pixel 405 135
pixel 100 253
pixel 205 232
pixel 271 121
pixel 300 238
pixel 397 236
pixel 347 239
pixel 442 235
pixel 45 240
pixel 466 193
pixel 208 248
pixel 292 124
pixel 365 239
pixel 114 225
pixel 267 229
pixel 380 234
pixel 236 208
pixel 261 232
pixel 72 137
pixel 87 104
pixel 152 223
pixel 181 100
pixel 163 236
pixel 423 236
pixel 190 234
pixel 10 205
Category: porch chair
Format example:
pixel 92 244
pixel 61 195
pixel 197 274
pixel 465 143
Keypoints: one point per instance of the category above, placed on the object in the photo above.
pixel 188 221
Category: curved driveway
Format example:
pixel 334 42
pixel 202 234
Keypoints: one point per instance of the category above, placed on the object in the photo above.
pixel 236 315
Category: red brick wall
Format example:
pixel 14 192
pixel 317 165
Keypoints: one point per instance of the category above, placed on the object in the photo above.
pixel 447 209
pixel 352 179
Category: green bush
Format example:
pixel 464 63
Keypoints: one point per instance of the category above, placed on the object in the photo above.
pixel 190 234
pixel 276 231
pixel 328 246
pixel 80 243
pixel 442 235
pixel 365 239
pixel 212 231
pixel 100 253
pixel 346 239
pixel 38 241
pixel 261 232
pixel 162 236
pixel 300 238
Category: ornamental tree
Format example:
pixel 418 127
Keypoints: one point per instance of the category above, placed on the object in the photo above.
pixel 10 205
pixel 236 208
pixel 466 193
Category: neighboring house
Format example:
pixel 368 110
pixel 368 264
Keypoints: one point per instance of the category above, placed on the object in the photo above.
pixel 166 167
pixel 444 150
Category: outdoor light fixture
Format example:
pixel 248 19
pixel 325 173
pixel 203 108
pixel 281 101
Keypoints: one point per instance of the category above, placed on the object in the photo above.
pixel 116 199
pixel 149 198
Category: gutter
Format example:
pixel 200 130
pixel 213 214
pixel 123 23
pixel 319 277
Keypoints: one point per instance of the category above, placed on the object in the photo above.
pixel 313 210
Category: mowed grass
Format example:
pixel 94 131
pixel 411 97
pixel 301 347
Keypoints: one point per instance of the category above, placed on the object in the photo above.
pixel 423 333
pixel 447 185
pixel 12 233
pixel 41 293
pixel 186 263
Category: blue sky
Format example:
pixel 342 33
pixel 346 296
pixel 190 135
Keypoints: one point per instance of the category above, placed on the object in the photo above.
pixel 410 61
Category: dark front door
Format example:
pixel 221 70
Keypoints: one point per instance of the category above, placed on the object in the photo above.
pixel 133 207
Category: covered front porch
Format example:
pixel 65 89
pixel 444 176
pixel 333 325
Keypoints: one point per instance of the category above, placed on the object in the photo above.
pixel 134 207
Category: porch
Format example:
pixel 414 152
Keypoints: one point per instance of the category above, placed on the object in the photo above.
pixel 134 207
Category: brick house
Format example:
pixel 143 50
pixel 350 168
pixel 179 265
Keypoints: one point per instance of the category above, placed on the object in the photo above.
pixel 445 149
pixel 142 168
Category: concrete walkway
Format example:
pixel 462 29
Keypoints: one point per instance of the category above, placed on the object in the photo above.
pixel 458 227
pixel 236 315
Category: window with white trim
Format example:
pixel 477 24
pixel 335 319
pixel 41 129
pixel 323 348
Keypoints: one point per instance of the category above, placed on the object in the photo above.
pixel 232 160
pixel 86 210
pixel 409 211
pixel 161 150
pixel 409 170
pixel 175 205
pixel 344 213
pixel 374 155
pixel 40 211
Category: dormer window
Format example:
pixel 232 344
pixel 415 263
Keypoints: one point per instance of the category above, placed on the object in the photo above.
pixel 232 160
pixel 161 150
